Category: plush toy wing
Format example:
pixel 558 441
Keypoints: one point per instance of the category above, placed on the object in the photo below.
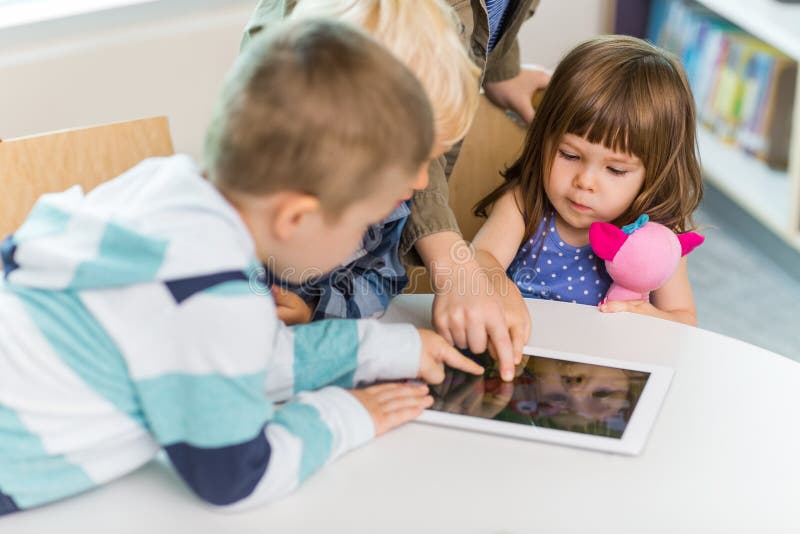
pixel 606 239
pixel 690 241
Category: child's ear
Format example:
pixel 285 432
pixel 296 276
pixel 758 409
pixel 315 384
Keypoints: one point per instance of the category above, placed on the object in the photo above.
pixel 606 239
pixel 292 210
pixel 690 241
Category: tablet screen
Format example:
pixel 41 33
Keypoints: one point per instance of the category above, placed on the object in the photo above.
pixel 547 392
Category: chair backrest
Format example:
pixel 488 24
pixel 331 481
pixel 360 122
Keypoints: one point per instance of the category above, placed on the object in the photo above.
pixel 46 163
pixel 493 142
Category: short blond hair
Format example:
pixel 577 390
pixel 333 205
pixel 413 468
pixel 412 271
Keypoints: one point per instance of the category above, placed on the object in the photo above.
pixel 423 34
pixel 317 106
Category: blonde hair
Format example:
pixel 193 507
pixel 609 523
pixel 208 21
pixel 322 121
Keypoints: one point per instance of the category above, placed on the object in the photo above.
pixel 631 97
pixel 319 107
pixel 424 35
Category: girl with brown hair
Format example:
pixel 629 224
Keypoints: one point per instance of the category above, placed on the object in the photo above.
pixel 613 138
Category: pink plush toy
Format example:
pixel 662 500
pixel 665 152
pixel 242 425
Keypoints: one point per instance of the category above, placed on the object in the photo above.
pixel 641 256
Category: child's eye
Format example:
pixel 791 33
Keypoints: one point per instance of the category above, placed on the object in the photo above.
pixel 608 393
pixel 617 172
pixel 567 155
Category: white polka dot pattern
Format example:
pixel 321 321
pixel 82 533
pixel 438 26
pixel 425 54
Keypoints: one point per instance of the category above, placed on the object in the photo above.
pixel 550 268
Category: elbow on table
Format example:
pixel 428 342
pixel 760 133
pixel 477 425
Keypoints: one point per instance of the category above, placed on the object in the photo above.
pixel 222 476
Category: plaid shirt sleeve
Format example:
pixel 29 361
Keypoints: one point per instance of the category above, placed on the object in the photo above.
pixel 363 286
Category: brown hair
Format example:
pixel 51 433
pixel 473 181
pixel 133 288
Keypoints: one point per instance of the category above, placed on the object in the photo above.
pixel 631 97
pixel 317 106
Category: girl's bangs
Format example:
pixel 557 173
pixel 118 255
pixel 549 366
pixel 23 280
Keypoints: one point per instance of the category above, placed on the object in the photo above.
pixel 608 117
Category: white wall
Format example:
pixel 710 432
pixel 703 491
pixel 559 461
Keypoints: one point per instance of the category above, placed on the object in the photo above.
pixel 171 65
pixel 559 25
pixel 174 64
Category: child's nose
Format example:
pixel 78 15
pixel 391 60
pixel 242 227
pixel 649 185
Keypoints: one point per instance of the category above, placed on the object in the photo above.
pixel 585 180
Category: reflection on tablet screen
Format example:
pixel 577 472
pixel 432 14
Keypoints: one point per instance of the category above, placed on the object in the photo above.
pixel 550 393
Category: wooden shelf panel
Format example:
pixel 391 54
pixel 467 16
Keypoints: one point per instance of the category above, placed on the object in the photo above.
pixel 760 190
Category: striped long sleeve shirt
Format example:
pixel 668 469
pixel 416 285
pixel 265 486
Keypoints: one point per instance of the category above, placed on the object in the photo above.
pixel 132 320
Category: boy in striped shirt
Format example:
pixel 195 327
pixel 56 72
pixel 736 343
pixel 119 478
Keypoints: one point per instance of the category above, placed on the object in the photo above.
pixel 137 317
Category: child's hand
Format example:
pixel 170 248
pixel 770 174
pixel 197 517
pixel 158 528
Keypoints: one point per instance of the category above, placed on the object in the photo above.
pixel 436 352
pixel 491 315
pixel 643 307
pixel 467 310
pixel 517 316
pixel 391 405
pixel 291 308
pixel 476 319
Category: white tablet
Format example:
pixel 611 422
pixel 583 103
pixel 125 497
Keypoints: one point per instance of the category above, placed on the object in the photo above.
pixel 569 399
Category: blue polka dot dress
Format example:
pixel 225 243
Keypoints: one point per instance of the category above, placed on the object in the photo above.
pixel 546 267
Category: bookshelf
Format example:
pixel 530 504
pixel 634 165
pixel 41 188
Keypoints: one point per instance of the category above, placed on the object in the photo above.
pixel 760 190
pixel 771 196
pixel 773 22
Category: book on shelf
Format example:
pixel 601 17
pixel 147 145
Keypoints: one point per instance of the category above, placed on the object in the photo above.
pixel 744 88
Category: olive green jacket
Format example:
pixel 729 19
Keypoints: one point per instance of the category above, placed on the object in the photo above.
pixel 431 212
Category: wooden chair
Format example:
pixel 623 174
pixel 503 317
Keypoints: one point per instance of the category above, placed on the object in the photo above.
pixel 32 166
pixel 493 142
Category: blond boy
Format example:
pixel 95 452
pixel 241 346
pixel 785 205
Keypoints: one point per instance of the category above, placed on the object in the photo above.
pixel 364 285
pixel 484 31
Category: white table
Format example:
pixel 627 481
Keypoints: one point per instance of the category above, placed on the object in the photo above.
pixel 723 457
